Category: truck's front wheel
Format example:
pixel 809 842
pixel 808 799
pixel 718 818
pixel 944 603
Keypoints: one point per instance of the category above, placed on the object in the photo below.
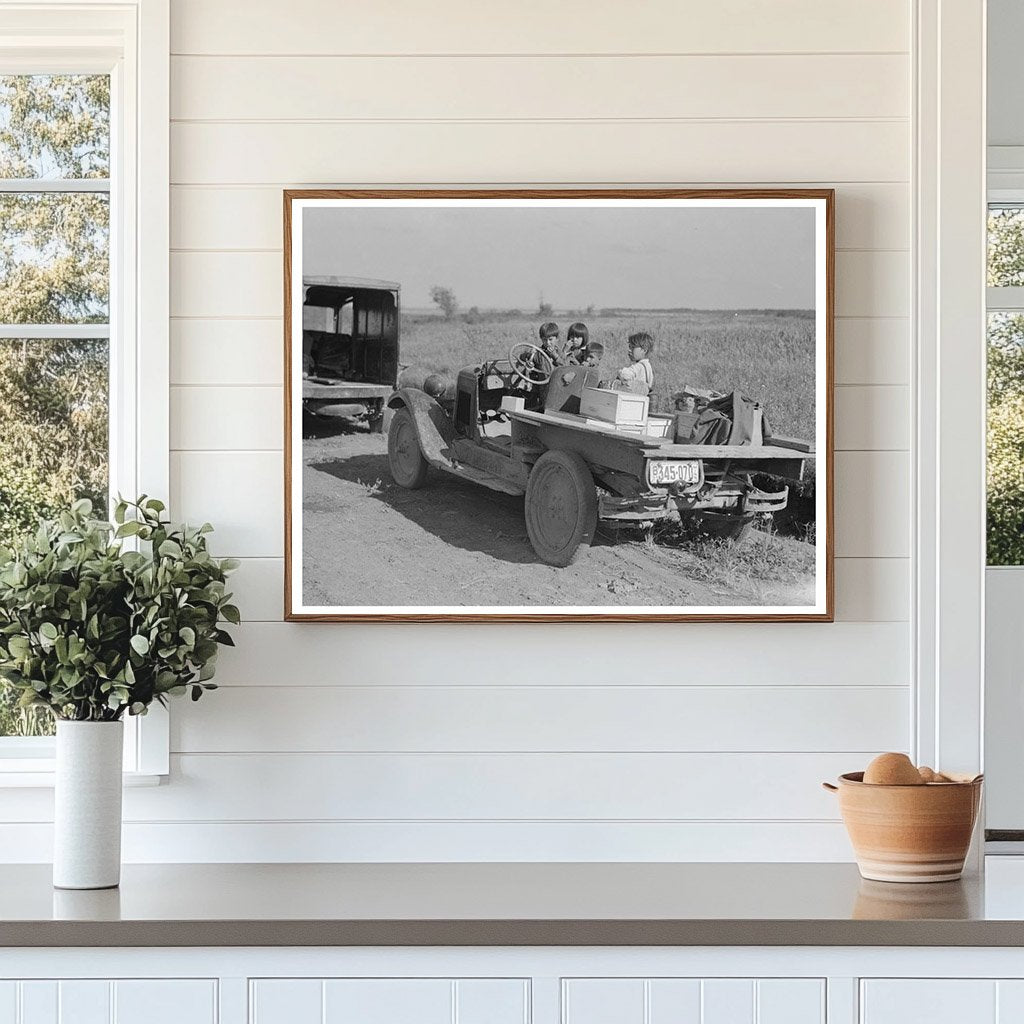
pixel 561 507
pixel 405 458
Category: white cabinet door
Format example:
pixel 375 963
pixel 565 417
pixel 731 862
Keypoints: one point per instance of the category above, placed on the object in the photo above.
pixel 389 1001
pixel 941 1001
pixel 102 1001
pixel 693 1001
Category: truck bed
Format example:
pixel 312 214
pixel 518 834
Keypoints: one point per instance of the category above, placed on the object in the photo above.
pixel 660 447
pixel 344 389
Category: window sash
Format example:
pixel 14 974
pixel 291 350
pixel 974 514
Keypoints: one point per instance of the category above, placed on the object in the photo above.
pixel 130 42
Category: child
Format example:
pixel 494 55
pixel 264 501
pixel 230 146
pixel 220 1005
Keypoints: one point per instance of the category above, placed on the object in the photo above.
pixel 638 377
pixel 577 342
pixel 549 342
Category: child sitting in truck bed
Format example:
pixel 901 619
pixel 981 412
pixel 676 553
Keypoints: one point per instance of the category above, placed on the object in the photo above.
pixel 638 377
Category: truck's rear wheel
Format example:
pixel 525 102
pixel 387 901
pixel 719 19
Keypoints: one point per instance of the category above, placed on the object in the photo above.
pixel 405 458
pixel 561 507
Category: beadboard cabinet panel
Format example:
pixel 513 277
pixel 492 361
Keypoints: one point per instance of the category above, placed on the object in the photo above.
pixel 102 1001
pixel 693 1001
pixel 930 1001
pixel 389 1001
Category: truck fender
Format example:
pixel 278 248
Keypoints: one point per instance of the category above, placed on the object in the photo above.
pixel 433 427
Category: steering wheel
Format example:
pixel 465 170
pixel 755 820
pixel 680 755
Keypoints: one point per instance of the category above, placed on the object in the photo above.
pixel 530 363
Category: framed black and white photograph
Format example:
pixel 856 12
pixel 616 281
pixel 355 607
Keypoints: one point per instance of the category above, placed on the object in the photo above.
pixel 558 405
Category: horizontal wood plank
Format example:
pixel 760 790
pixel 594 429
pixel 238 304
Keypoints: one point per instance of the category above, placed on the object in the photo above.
pixel 765 654
pixel 219 352
pixel 872 350
pixel 227 418
pixel 242 493
pixel 868 216
pixel 241 284
pixel 872 418
pixel 867 589
pixel 376 787
pixel 251 418
pixel 534 26
pixel 492 719
pixel 539 88
pixel 872 589
pixel 161 842
pixel 875 284
pixel 537 152
pixel 869 350
pixel 872 504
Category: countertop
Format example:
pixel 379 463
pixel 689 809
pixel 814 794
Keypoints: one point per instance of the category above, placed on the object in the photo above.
pixel 559 904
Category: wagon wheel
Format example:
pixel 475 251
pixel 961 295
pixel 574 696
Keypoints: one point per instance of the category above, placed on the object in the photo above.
pixel 561 507
pixel 405 459
pixel 530 363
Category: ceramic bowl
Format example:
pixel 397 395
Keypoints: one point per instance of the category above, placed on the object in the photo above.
pixel 909 833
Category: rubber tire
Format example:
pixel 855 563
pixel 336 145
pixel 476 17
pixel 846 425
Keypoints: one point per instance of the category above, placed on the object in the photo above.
pixel 405 457
pixel 561 507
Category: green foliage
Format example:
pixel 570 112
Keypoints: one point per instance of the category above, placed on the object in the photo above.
pixel 54 126
pixel 1005 247
pixel 16 720
pixel 53 407
pixel 23 499
pixel 91 630
pixel 53 269
pixel 1005 477
pixel 445 299
pixel 1006 482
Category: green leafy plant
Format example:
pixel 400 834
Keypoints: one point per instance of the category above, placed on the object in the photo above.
pixel 91 630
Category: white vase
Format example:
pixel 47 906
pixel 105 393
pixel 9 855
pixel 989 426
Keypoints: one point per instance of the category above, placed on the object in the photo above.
pixel 87 805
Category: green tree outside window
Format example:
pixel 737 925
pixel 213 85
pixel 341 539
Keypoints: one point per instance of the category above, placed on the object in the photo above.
pixel 54 271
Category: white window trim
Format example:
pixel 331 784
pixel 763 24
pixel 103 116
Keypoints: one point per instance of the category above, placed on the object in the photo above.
pixel 131 41
pixel 949 445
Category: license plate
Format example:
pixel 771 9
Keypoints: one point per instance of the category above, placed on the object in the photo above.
pixel 660 474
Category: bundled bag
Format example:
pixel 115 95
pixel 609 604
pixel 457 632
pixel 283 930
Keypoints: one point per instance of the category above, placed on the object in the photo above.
pixel 725 419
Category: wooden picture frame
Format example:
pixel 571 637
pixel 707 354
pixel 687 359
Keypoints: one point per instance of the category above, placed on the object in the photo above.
pixel 331 292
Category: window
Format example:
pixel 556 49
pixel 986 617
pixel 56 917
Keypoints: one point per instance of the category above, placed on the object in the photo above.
pixel 54 293
pixel 84 126
pixel 1005 477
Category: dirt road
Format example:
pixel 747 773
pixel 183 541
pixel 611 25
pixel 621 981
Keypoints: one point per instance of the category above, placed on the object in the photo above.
pixel 367 541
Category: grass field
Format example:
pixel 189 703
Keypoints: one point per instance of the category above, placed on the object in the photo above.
pixel 767 355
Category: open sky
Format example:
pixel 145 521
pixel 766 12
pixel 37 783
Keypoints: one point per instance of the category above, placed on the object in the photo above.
pixel 507 258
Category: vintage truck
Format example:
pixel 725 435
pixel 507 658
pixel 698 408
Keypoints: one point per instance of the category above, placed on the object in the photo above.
pixel 515 426
pixel 349 347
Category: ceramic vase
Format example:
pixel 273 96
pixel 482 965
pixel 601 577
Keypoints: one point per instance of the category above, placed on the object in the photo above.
pixel 87 805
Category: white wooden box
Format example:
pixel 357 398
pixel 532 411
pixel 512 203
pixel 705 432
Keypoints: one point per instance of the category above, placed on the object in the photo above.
pixel 622 408
pixel 658 426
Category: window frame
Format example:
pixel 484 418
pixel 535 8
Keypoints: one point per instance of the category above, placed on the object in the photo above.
pixel 130 41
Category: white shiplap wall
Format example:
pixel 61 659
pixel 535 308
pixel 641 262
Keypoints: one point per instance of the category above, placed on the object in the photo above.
pixel 687 741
